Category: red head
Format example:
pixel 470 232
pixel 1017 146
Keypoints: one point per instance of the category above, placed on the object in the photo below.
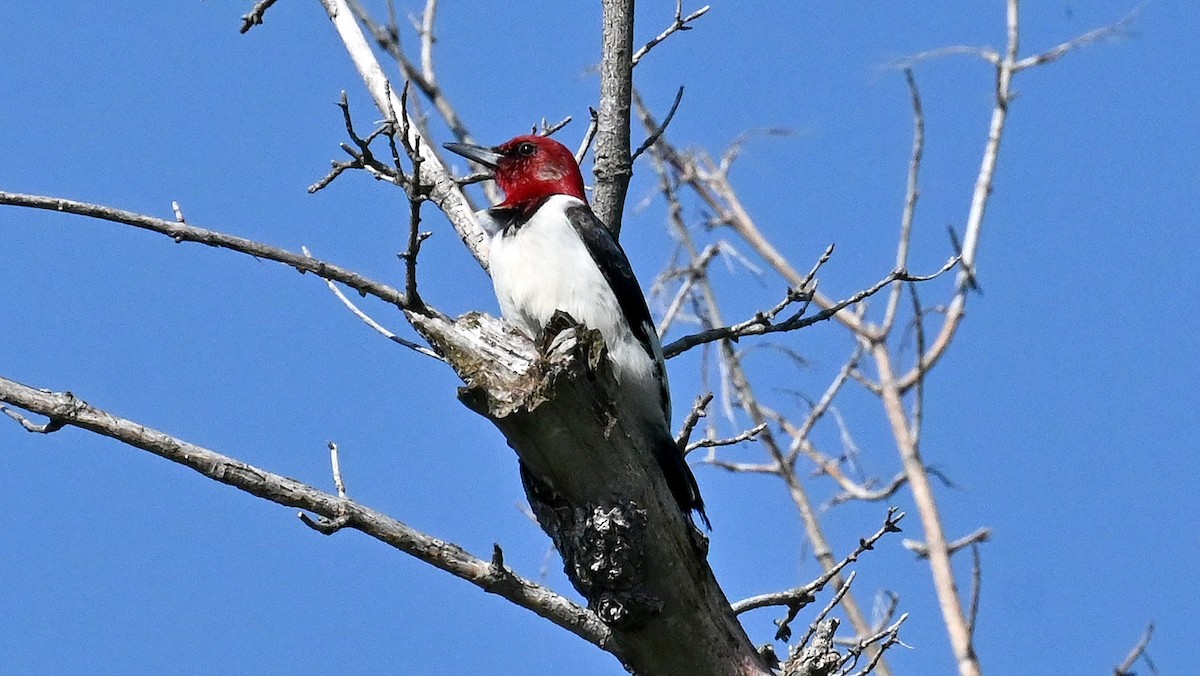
pixel 528 169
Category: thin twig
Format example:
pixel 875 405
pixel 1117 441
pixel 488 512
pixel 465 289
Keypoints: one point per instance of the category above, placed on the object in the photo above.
pixel 735 383
pixel 549 130
pixel 588 136
pixel 694 272
pixel 892 636
pixel 975 537
pixel 1137 652
pixel 376 326
pixel 362 157
pixel 699 410
pixel 49 427
pixel 804 594
pixel 989 55
pixel 443 191
pixel 784 632
pixel 853 491
pixel 976 588
pixel 761 324
pixel 416 194
pixel 747 435
pixel 657 133
pixel 801 434
pixel 679 24
pixel 1091 37
pixel 336 462
pixel 918 405
pixel 912 194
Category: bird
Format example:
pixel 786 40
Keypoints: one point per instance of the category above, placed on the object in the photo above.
pixel 550 253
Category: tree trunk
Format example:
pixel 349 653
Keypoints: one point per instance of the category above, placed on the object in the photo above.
pixel 599 494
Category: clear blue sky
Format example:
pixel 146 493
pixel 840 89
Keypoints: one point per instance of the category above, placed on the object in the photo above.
pixel 1066 411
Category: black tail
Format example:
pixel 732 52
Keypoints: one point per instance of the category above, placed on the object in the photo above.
pixel 679 477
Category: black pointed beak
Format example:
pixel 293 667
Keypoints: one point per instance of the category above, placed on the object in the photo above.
pixel 485 156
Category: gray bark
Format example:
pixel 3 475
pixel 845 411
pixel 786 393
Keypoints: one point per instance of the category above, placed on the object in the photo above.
pixel 603 500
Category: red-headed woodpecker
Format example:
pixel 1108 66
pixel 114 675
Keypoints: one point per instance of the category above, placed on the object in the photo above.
pixel 549 252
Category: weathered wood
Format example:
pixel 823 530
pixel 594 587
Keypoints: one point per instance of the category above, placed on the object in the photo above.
pixel 599 493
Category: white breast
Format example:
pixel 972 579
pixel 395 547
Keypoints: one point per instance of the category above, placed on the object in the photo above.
pixel 543 267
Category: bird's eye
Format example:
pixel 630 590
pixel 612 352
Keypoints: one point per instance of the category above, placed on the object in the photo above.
pixel 527 149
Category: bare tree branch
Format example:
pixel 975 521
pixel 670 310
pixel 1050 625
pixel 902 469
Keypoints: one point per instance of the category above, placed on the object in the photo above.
pixel 739 386
pixel 182 232
pixel 657 133
pixel 375 325
pixel 417 192
pixel 681 23
pixel 1091 37
pixel 747 435
pixel 361 155
pixel 975 537
pixel 443 190
pixel 989 55
pixel 255 17
pixel 64 409
pixel 694 272
pixel 805 594
pixel 699 410
pixel 762 324
pixel 784 631
pixel 801 434
pixel 613 166
pixel 1138 651
pixel 588 470
pixel 889 636
pixel 551 129
pixel 912 193
pixel 976 589
pixel 588 136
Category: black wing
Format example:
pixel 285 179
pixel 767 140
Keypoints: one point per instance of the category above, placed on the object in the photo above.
pixel 614 265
